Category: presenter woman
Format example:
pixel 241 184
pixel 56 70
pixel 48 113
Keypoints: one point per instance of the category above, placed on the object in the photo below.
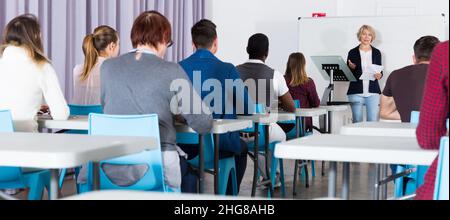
pixel 365 91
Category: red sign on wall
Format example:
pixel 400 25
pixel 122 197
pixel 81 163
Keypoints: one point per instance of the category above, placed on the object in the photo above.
pixel 319 15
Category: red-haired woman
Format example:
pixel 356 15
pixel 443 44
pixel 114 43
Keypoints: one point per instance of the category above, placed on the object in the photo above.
pixel 140 82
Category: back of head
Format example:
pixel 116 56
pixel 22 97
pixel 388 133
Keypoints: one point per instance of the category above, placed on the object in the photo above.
pixel 258 46
pixel 296 69
pixel 204 34
pixel 423 48
pixel 151 28
pixel 95 43
pixel 24 31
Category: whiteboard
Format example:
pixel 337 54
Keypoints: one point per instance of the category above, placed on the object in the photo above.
pixel 396 36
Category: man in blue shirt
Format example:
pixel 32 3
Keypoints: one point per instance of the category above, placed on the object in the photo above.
pixel 203 67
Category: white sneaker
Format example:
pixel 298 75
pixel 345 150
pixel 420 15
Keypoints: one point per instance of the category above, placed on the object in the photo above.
pixel 277 182
pixel 11 192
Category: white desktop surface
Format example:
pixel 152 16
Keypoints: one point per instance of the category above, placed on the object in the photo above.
pixel 358 149
pixel 335 108
pixel 384 129
pixel 310 112
pixel 133 195
pixel 267 119
pixel 73 123
pixel 220 126
pixel 57 151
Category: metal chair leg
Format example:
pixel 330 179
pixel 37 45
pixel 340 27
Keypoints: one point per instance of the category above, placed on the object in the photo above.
pixel 323 168
pixel 306 175
pixel 295 178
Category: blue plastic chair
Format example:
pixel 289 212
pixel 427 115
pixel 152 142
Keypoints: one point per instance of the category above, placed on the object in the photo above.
pixel 13 177
pixel 415 117
pixel 442 178
pixel 415 179
pixel 227 166
pixel 260 109
pixel 79 110
pixel 85 109
pixel 293 135
pixel 139 126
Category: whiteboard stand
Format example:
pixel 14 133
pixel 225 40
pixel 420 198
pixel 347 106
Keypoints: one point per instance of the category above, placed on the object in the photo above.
pixel 333 69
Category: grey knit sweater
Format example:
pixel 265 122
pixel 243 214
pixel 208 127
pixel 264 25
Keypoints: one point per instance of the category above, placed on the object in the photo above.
pixel 136 87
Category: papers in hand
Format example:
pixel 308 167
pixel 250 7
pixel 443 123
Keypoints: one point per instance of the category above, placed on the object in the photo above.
pixel 370 72
pixel 368 76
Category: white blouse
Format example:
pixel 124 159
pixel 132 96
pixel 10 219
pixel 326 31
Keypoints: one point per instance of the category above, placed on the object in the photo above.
pixel 366 61
pixel 87 92
pixel 26 86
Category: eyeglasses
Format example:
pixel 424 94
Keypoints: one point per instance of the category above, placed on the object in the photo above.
pixel 170 44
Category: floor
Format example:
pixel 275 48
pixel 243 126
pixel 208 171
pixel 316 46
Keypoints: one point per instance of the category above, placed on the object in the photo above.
pixel 361 186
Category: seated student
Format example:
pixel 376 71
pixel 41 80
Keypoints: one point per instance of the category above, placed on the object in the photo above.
pixel 301 87
pixel 434 113
pixel 139 82
pixel 204 36
pixel 274 86
pixel 97 47
pixel 270 85
pixel 404 88
pixel 27 77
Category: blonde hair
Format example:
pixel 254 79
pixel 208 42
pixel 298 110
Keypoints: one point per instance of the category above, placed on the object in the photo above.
pixel 296 70
pixel 24 31
pixel 93 44
pixel 367 28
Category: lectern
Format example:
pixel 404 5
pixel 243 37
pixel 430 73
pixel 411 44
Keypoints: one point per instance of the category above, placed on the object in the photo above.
pixel 333 69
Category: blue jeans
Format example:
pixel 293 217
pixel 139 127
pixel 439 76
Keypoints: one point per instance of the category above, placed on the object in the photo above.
pixel 372 105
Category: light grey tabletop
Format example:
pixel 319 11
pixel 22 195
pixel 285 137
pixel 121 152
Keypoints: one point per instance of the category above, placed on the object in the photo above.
pixel 358 149
pixel 57 151
pixel 73 123
pixel 310 112
pixel 383 129
pixel 266 119
pixel 220 126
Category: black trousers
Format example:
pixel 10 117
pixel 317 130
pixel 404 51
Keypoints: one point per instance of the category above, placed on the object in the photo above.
pixel 189 184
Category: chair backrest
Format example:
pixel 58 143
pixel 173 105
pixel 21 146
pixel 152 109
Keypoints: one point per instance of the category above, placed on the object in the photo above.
pixel 6 122
pixel 8 174
pixel 442 178
pixel 415 117
pixel 193 139
pixel 417 178
pixel 260 109
pixel 81 110
pixel 297 103
pixel 139 126
pixel 293 133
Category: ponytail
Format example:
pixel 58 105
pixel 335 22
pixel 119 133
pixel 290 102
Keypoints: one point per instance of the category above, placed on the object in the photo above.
pixel 91 56
pixel 93 44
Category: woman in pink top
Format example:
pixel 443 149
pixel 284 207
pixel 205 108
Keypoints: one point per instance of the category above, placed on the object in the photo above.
pixel 97 47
